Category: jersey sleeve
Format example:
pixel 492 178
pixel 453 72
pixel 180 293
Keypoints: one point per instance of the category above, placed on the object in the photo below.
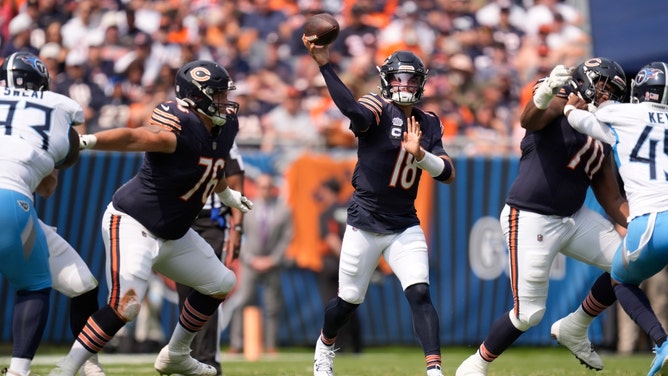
pixel 361 114
pixel 164 116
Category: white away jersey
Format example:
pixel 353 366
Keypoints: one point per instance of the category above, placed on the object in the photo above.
pixel 638 133
pixel 34 128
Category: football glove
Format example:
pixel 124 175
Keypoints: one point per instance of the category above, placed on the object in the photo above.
pixel 235 199
pixel 560 76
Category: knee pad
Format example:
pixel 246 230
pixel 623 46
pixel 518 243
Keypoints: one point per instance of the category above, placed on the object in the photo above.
pixel 351 294
pixel 418 294
pixel 222 286
pixel 128 307
pixel 530 315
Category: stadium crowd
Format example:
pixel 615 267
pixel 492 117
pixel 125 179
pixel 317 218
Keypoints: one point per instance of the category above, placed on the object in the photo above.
pixel 117 58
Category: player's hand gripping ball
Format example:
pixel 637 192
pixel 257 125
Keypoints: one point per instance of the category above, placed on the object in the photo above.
pixel 321 29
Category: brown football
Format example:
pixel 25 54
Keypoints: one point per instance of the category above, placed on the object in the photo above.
pixel 321 29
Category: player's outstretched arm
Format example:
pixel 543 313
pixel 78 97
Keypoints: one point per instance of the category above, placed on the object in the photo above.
pixel 585 122
pixel 544 107
pixel 150 138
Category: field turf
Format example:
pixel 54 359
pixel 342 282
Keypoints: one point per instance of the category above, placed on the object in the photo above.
pixel 376 361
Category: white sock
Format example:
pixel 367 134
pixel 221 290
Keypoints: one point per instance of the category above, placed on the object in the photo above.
pixel 581 317
pixel 181 339
pixel 21 365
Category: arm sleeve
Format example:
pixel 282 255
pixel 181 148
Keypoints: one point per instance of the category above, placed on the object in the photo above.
pixel 585 122
pixel 360 117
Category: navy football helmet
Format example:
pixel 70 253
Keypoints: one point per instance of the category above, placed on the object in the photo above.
pixel 23 70
pixel 402 69
pixel 196 84
pixel 598 69
pixel 650 84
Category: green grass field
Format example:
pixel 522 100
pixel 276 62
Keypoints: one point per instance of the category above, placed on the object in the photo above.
pixel 385 361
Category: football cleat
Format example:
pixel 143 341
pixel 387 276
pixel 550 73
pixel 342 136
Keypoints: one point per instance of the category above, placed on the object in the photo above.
pixel 660 359
pixel 91 367
pixel 474 365
pixel 9 372
pixel 169 362
pixel 574 338
pixel 436 371
pixel 323 362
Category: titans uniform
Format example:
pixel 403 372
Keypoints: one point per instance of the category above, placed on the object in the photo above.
pixel 544 213
pixel 382 219
pixel 34 128
pixel 638 134
pixel 147 225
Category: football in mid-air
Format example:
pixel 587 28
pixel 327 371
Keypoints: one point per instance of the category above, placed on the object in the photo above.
pixel 321 29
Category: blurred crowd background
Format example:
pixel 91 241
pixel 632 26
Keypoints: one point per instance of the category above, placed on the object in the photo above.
pixel 118 58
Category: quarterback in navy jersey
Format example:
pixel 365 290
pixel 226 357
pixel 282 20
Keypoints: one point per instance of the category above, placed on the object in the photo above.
pixel 396 142
pixel 544 213
pixel 147 225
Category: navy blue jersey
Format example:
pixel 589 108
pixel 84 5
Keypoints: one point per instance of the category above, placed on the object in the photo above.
pixel 385 178
pixel 170 189
pixel 556 168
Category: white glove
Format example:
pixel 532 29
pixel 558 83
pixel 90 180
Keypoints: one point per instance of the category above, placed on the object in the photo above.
pixel 559 77
pixel 235 199
pixel 87 141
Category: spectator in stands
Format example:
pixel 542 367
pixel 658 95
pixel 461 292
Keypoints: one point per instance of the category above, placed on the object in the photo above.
pixel 76 84
pixel 20 28
pixel 357 37
pixel 288 131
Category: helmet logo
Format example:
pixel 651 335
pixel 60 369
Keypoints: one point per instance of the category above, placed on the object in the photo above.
pixel 595 62
pixel 200 74
pixel 647 74
pixel 34 62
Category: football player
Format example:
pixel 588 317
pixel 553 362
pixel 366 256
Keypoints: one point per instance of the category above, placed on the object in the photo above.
pixel 545 213
pixel 397 141
pixel 37 136
pixel 147 226
pixel 637 132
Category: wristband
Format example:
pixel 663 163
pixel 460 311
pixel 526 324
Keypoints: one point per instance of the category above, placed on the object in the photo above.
pixel 239 228
pixel 568 108
pixel 542 96
pixel 87 141
pixel 431 163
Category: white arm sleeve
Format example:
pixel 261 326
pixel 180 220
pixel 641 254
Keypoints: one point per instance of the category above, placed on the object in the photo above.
pixel 586 123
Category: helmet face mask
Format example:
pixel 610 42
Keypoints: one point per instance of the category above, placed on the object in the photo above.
pixel 650 84
pixel 599 76
pixel 23 70
pixel 203 86
pixel 402 78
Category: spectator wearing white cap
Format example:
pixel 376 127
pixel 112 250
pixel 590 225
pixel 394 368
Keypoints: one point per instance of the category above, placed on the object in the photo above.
pixel 20 28
pixel 53 56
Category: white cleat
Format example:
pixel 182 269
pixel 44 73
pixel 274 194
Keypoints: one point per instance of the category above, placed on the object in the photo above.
pixel 10 372
pixel 169 362
pixel 574 338
pixel 435 371
pixel 323 363
pixel 91 367
pixel 474 365
pixel 59 372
